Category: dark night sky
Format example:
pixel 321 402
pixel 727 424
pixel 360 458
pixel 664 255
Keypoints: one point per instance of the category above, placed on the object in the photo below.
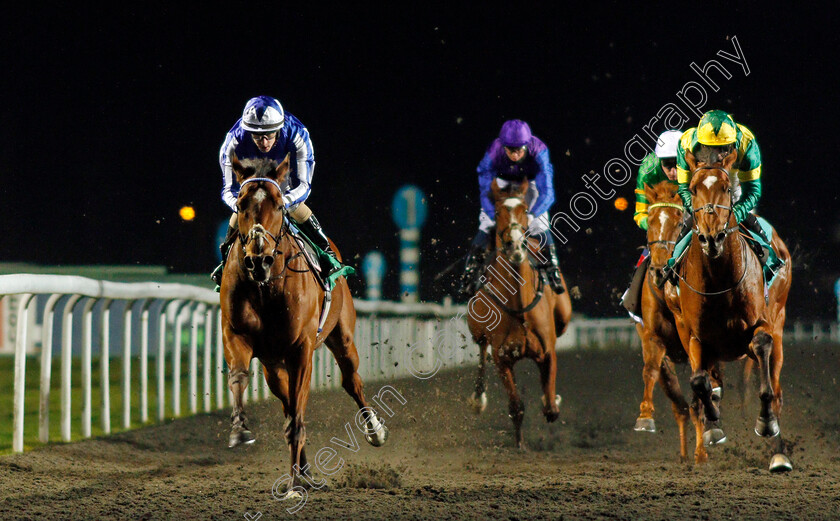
pixel 112 121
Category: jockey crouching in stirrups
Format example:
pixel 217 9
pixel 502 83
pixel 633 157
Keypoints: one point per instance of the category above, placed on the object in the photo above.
pixel 512 157
pixel 660 165
pixel 266 131
pixel 714 138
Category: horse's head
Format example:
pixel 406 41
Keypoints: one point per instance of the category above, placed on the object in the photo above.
pixel 664 216
pixel 511 221
pixel 260 212
pixel 711 194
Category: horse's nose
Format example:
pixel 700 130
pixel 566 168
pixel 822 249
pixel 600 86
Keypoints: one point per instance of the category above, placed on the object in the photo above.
pixel 264 261
pixel 704 239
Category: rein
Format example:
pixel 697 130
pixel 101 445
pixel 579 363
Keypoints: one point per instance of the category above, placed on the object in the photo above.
pixel 527 308
pixel 714 293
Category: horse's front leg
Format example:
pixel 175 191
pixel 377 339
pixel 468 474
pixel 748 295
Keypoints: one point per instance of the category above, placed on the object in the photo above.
pixel 238 354
pixel 548 379
pixel 516 408
pixel 701 385
pixel 653 352
pixel 478 400
pixel 767 424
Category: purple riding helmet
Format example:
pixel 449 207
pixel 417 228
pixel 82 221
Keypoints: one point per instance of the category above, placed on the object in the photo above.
pixel 515 133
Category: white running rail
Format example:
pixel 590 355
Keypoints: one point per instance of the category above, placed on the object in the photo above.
pixel 155 323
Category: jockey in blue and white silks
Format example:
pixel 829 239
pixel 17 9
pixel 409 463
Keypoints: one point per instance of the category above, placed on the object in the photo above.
pixel 514 156
pixel 265 130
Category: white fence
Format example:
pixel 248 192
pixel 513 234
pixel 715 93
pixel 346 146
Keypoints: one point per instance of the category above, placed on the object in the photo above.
pixel 139 325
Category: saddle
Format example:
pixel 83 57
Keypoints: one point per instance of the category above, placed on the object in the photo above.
pixel 324 266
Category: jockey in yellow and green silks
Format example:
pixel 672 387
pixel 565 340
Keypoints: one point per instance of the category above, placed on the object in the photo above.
pixel 714 138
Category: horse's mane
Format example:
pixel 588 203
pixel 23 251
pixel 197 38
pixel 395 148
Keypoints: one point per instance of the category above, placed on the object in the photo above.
pixel 719 172
pixel 259 167
pixel 663 192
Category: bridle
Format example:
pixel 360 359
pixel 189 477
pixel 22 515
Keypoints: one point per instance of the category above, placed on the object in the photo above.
pixel 712 208
pixel 285 229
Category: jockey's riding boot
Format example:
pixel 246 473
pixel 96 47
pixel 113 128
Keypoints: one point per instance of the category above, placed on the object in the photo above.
pixel 224 248
pixel 751 223
pixel 670 272
pixel 551 270
pixel 313 231
pixel 632 298
pixel 474 263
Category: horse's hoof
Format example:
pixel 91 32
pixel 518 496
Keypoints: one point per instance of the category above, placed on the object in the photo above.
pixel 780 463
pixel 290 494
pixel 717 393
pixel 714 437
pixel 243 437
pixel 376 432
pixel 478 402
pixel 645 425
pixel 767 428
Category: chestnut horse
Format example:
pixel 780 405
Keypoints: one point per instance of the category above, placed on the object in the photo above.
pixel 724 312
pixel 528 315
pixel 661 346
pixel 271 305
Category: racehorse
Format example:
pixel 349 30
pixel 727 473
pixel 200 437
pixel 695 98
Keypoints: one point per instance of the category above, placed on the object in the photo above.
pixel 530 315
pixel 725 312
pixel 661 346
pixel 271 305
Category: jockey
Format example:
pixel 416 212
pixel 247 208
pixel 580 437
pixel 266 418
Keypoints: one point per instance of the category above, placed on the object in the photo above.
pixel 660 165
pixel 713 139
pixel 515 155
pixel 266 131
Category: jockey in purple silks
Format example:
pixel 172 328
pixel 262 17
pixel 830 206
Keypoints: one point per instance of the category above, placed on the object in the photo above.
pixel 514 156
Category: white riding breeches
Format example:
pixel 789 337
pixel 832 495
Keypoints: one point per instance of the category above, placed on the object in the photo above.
pixel 536 224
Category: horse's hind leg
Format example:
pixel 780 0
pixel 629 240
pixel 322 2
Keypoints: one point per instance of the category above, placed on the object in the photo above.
pixel 671 386
pixel 341 344
pixel 516 408
pixel 768 351
pixel 767 425
pixel 478 400
pixel 780 461
pixel 238 355
pixel 696 410
pixel 548 378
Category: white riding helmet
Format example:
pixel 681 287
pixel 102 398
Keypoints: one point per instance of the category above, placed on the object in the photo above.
pixel 263 114
pixel 666 145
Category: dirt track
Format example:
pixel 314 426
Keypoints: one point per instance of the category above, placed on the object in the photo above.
pixel 442 462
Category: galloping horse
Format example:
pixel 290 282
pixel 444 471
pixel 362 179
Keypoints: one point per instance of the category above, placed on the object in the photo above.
pixel 661 346
pixel 531 316
pixel 725 313
pixel 271 305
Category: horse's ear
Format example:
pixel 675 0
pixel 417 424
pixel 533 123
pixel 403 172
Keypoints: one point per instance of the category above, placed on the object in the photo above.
pixel 729 160
pixel 691 160
pixel 495 191
pixel 282 170
pixel 650 193
pixel 238 169
pixel 523 188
